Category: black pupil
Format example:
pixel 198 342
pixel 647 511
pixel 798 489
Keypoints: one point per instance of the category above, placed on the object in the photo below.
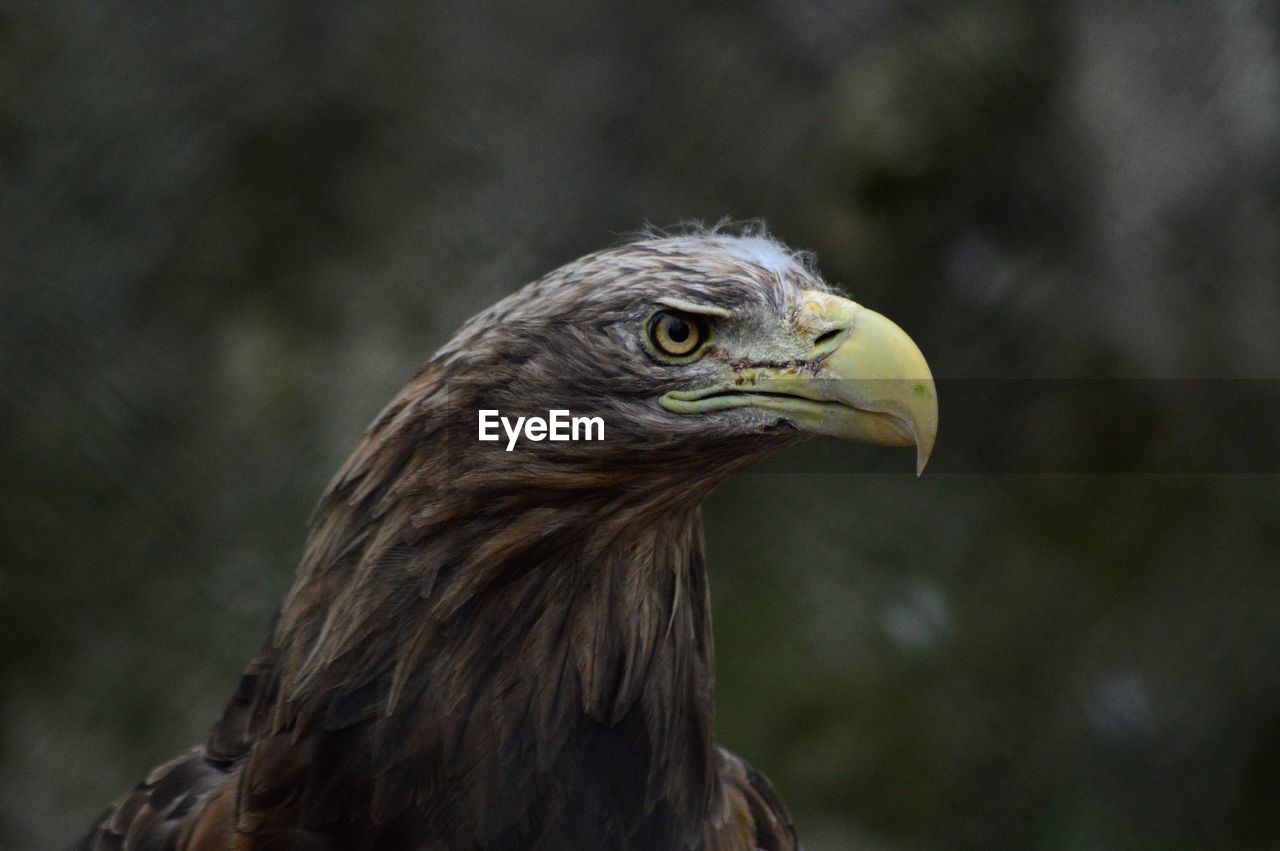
pixel 677 330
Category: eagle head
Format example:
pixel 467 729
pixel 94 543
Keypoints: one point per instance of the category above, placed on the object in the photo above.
pixel 699 353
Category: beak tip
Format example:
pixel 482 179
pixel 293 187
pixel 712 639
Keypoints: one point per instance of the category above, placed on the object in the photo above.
pixel 922 458
pixel 925 438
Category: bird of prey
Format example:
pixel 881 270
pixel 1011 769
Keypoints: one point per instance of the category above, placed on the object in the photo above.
pixel 493 649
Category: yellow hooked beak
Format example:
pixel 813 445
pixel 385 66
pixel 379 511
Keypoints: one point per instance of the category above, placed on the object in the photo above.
pixel 864 380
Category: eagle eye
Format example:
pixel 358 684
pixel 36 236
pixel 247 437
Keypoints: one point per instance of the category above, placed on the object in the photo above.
pixel 677 334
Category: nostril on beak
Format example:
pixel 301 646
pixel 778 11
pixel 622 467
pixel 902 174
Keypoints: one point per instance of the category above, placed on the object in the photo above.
pixel 827 342
pixel 827 337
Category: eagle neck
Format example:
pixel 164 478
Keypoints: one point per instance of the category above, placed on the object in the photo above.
pixel 532 656
pixel 521 647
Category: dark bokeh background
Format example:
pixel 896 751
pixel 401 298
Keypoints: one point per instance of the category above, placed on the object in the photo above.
pixel 230 230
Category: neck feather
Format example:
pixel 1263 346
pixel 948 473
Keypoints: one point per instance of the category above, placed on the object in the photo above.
pixel 502 651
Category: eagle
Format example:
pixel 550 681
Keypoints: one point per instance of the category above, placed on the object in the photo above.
pixel 495 646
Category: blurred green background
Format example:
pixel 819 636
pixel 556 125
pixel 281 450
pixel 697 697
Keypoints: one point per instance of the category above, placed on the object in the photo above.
pixel 230 230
